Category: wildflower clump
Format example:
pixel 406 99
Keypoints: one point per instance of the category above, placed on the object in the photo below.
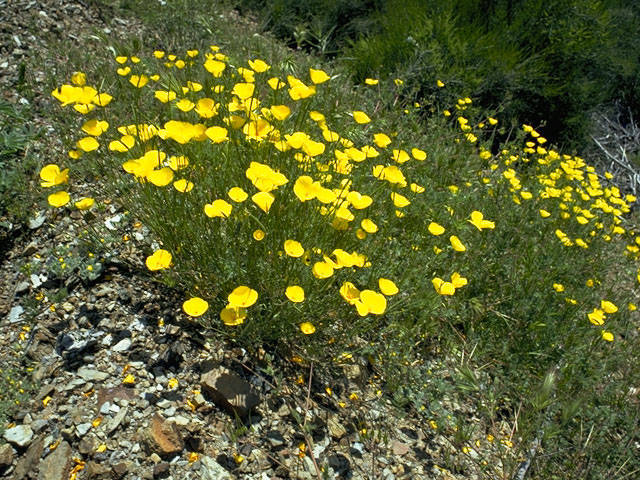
pixel 282 213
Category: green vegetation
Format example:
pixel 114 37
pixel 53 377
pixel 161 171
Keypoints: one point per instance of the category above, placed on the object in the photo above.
pixel 546 63
pixel 475 273
pixel 16 167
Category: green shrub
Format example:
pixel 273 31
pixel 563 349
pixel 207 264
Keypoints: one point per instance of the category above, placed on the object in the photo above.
pixel 255 180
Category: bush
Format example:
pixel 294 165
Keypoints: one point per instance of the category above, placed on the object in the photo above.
pixel 292 209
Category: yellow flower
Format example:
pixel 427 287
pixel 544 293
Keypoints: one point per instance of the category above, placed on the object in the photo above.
pixel 232 316
pixel 440 83
pixel 387 287
pixel 349 292
pixel 275 83
pixel 259 66
pixel 161 177
pixel 237 194
pixel 419 154
pixel 608 306
pixel 51 176
pixel 361 117
pixel 218 208
pixel 79 79
pixel 123 72
pixel 183 185
pixel 85 203
pixel 371 81
pixel 242 297
pixel 381 140
pixel 195 307
pixel 215 67
pixel 217 134
pixel 368 226
pixel 263 200
pixel 258 235
pixel 307 328
pixel 544 213
pixel 558 287
pixel 318 76
pixel 185 105
pixel 87 144
pixel 138 81
pixel 435 229
pixel 178 162
pixel 456 244
pixel 371 302
pixel 58 199
pixel 125 144
pixel 607 336
pixel 295 293
pixel 596 317
pixel 95 127
pixel 400 156
pixel 280 112
pixel 293 249
pixel 165 95
pixel 399 201
pixel 243 90
pixel 159 260
pixel 322 270
pixel 442 287
pixel 478 221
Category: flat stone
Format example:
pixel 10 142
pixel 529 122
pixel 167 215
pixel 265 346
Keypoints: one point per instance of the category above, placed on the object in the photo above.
pixel 6 455
pixel 400 448
pixel 37 222
pixel 336 429
pixel 83 429
pixel 20 435
pixel 163 437
pixel 122 346
pixel 92 375
pixel 115 422
pixel 15 314
pixel 212 470
pixel 229 391
pixel 57 465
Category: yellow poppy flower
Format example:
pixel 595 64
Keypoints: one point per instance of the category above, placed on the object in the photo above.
pixel 58 199
pixel 307 328
pixel 159 260
pixel 242 297
pixel 195 307
pixel 295 293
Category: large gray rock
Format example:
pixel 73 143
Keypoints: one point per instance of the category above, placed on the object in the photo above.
pixel 20 435
pixel 212 470
pixel 229 391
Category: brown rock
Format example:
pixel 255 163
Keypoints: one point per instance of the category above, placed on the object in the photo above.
pixel 115 393
pixel 57 465
pixel 29 462
pixel 6 455
pixel 163 437
pixel 400 448
pixel 94 470
pixel 229 391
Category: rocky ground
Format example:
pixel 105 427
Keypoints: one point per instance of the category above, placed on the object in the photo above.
pixel 127 387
